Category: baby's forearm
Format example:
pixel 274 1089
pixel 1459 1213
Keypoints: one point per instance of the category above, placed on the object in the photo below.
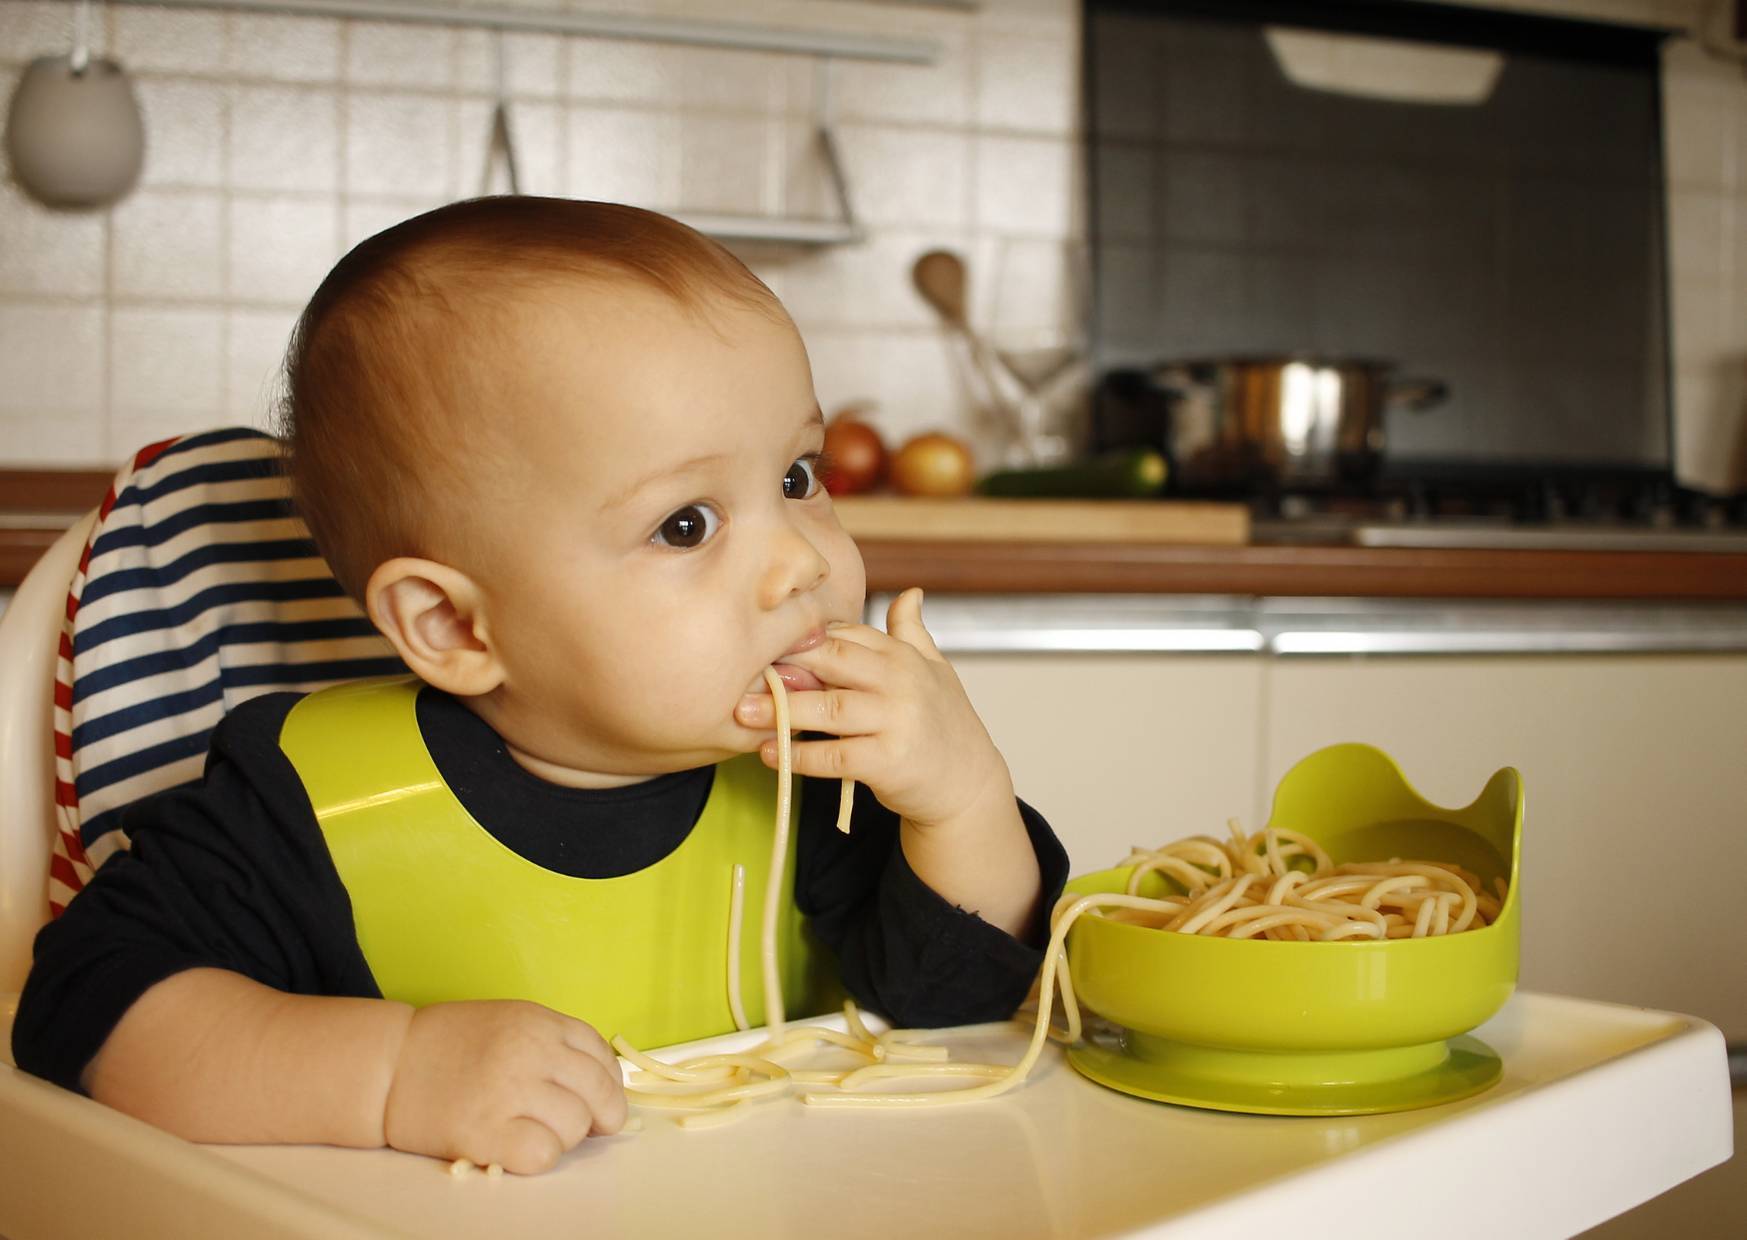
pixel 982 861
pixel 212 1056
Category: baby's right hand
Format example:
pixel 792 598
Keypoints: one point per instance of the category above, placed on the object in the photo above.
pixel 501 1081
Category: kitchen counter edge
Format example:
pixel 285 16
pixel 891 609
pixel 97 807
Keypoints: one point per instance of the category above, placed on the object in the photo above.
pixel 1276 571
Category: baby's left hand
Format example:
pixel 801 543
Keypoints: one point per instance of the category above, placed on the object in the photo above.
pixel 901 721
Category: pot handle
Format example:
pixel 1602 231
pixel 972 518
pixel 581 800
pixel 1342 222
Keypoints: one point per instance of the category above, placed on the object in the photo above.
pixel 1415 395
pixel 1174 381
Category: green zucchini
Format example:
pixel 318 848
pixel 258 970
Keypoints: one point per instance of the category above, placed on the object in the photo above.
pixel 1131 474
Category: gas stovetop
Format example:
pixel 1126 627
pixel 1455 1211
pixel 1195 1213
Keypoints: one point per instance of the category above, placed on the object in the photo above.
pixel 1498 535
pixel 1567 515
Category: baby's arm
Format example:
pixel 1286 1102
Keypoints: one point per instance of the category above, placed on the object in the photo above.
pixel 210 981
pixel 903 725
pixel 901 949
pixel 213 1056
pixel 982 860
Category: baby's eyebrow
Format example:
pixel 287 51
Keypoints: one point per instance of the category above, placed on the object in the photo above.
pixel 814 420
pixel 815 417
pixel 666 471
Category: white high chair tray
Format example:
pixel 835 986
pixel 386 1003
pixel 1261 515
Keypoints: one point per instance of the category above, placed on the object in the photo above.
pixel 1601 1107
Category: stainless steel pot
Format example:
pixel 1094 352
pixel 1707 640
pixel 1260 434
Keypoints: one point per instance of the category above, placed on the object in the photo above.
pixel 1248 424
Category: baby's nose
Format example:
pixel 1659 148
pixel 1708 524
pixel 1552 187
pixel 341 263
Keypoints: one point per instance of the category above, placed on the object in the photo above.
pixel 796 567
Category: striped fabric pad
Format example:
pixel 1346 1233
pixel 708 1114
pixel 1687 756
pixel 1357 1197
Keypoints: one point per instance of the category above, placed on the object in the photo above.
pixel 199 589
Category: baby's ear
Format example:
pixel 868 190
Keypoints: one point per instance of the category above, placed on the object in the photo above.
pixel 433 615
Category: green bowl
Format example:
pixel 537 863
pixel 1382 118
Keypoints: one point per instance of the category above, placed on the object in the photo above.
pixel 1315 1028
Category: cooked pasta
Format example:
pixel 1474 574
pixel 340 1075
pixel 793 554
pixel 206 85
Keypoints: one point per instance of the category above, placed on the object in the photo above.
pixel 736 905
pixel 779 852
pixel 466 1166
pixel 1278 884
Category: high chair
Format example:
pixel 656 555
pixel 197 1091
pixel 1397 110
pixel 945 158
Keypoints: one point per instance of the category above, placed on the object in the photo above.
pixel 30 632
pixel 193 587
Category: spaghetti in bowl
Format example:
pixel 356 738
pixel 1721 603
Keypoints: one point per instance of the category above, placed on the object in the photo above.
pixel 1320 1027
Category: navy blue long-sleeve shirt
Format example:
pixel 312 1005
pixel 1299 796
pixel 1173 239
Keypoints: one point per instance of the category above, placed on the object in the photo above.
pixel 234 873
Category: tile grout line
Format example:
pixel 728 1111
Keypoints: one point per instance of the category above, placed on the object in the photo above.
pixel 561 158
pixel 226 223
pixel 111 450
pixel 458 184
pixel 342 196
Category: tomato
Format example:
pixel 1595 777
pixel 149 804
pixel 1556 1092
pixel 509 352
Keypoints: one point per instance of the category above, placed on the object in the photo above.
pixel 855 456
pixel 933 464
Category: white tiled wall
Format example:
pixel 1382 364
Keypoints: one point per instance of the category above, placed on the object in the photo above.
pixel 274 143
pixel 1705 138
pixel 277 142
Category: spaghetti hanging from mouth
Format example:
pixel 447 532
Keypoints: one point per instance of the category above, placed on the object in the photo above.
pixel 718 1089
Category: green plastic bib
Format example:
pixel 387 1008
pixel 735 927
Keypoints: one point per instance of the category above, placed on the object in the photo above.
pixel 445 912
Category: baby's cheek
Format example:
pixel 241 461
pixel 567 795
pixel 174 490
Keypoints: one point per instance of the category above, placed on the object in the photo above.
pixel 849 575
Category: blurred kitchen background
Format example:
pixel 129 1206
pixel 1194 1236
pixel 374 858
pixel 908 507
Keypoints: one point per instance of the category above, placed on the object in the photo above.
pixel 1546 567
pixel 275 143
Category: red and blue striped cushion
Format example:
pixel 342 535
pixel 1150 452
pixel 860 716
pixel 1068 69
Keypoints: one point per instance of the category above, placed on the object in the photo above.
pixel 199 589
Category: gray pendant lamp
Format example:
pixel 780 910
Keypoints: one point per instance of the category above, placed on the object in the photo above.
pixel 73 128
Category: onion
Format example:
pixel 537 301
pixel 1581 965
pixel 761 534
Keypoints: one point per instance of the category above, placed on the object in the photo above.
pixel 933 464
pixel 855 456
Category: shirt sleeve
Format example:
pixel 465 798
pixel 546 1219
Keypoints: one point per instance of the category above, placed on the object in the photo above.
pixel 231 873
pixel 903 950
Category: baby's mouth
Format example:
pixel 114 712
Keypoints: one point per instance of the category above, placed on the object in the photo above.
pixel 795 679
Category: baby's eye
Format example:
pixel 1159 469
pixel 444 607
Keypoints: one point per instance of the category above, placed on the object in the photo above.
pixel 802 480
pixel 691 526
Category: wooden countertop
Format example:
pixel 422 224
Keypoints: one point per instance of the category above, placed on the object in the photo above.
pixel 1304 570
pixel 1030 566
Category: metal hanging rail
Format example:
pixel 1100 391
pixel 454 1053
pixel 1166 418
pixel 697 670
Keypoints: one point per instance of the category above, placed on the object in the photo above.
pixel 825 45
pixel 845 44
pixel 840 231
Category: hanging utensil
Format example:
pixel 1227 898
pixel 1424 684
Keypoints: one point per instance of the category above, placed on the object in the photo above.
pixel 501 141
pixel 73 128
pixel 939 276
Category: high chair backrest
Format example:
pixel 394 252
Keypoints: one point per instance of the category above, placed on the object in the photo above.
pixel 30 633
pixel 198 588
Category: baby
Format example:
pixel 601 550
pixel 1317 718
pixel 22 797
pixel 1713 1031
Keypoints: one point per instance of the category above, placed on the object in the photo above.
pixel 567 456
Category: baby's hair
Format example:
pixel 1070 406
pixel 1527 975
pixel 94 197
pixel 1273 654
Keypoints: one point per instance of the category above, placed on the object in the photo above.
pixel 388 386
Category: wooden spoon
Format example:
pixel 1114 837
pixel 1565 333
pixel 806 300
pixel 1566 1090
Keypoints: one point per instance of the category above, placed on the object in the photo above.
pixel 940 278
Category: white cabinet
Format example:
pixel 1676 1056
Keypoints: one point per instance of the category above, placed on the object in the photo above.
pixel 1125 749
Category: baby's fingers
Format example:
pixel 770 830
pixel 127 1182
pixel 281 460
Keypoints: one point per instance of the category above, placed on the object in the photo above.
pixel 569 1115
pixel 601 1090
pixel 904 622
pixel 861 635
pixel 841 661
pixel 851 757
pixel 841 712
pixel 522 1146
pixel 585 1038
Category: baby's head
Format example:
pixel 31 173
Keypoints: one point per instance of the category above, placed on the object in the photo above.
pixel 565 453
